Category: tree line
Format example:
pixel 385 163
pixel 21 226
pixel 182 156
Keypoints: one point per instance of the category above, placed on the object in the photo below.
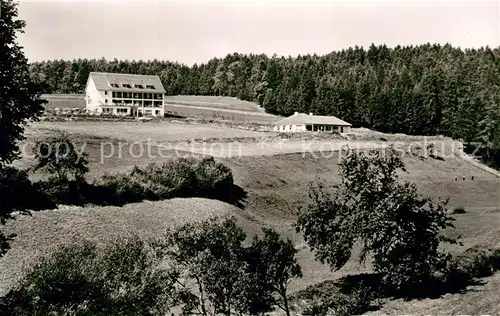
pixel 426 89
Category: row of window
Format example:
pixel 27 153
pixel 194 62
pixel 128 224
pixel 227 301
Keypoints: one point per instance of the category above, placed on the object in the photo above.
pixel 136 95
pixel 125 111
pixel 137 86
pixel 110 110
pixel 130 102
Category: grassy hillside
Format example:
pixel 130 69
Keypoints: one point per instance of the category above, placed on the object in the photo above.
pixel 45 230
pixel 276 187
pixel 218 113
pixel 277 184
pixel 216 102
pixel 64 101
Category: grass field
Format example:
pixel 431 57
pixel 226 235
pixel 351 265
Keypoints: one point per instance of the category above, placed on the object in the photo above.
pixel 276 187
pixel 218 113
pixel 216 102
pixel 144 131
pixel 223 141
pixel 64 101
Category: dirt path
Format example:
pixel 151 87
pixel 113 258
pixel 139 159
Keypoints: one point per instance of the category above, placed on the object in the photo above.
pixel 318 148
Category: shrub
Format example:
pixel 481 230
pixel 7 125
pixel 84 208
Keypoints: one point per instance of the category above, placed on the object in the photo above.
pixel 333 302
pixel 59 157
pixel 210 255
pixel 58 282
pixel 176 178
pixel 213 177
pixel 475 262
pixel 63 191
pixel 123 278
pixel 18 194
pixel 458 210
pixel 77 193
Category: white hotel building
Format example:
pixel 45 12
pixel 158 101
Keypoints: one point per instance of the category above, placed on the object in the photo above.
pixel 124 94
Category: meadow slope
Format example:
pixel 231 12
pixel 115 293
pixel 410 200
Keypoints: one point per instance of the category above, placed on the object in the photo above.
pixel 276 187
pixel 43 231
pixel 214 102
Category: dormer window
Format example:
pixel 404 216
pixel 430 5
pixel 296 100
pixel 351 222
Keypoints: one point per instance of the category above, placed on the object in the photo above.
pixel 113 85
pixel 126 85
pixel 150 87
pixel 139 86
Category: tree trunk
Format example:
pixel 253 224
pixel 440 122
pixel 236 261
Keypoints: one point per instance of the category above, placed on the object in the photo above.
pixel 285 300
pixel 202 299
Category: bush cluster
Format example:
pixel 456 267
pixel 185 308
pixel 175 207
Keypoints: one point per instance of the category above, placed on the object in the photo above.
pixel 59 157
pixel 330 300
pixel 184 177
pixel 18 193
pixel 83 279
pixel 176 178
pixel 201 268
pixel 475 262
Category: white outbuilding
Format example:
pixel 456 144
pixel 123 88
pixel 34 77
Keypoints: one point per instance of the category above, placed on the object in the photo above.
pixel 301 122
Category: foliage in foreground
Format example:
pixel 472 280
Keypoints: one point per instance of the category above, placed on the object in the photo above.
pixel 19 102
pixel 81 279
pixel 59 157
pixel 19 95
pixel 372 207
pixel 228 277
pixel 475 262
pixel 176 178
pixel 198 267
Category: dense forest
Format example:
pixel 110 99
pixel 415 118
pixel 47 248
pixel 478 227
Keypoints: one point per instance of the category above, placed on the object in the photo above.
pixel 426 89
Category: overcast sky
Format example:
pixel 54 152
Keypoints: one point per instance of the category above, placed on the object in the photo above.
pixel 191 32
